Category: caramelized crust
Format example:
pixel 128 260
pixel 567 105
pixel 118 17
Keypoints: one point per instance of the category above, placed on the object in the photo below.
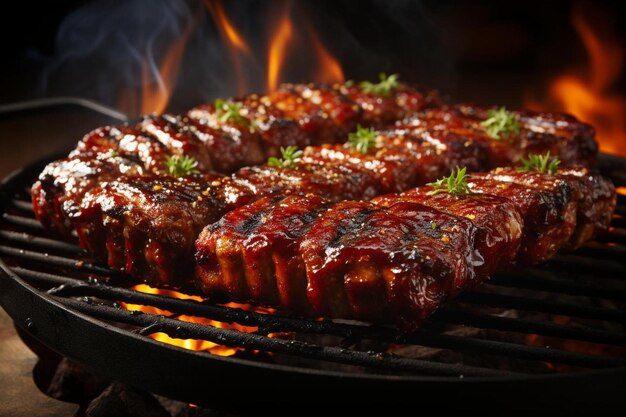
pixel 546 205
pixel 398 257
pixel 147 225
pixel 116 191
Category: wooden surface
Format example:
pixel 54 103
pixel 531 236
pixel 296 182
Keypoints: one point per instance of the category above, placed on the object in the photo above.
pixel 19 397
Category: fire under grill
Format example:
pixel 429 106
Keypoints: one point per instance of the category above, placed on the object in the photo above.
pixel 560 325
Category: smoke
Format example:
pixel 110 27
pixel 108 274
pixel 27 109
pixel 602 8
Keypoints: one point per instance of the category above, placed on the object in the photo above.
pixel 132 54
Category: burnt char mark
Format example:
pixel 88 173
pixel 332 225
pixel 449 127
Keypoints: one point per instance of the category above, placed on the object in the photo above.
pixel 326 291
pixel 272 252
pixel 434 149
pixel 221 254
pixel 371 263
pixel 394 168
pixel 349 225
pixel 100 140
pixel 456 235
pixel 329 113
pixel 252 252
pixel 127 142
pixel 226 149
pixel 251 223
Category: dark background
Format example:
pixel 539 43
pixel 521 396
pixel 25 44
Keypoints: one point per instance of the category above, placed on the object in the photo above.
pixel 484 51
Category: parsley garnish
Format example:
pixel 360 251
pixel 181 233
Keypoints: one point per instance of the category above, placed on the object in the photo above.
pixel 291 155
pixel 501 123
pixel 540 163
pixel 433 225
pixel 180 166
pixel 384 88
pixel 456 183
pixel 230 111
pixel 362 139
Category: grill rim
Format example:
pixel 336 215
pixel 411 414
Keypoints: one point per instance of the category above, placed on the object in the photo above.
pixel 17 294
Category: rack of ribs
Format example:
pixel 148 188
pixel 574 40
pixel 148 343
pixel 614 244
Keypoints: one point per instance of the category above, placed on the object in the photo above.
pixel 116 191
pixel 400 159
pixel 397 257
pixel 221 137
pixel 244 132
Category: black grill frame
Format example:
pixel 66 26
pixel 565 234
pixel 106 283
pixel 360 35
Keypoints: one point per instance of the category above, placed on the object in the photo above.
pixel 71 320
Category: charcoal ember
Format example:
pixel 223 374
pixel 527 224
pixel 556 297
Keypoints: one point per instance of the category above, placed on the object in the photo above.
pixel 123 401
pixel 73 383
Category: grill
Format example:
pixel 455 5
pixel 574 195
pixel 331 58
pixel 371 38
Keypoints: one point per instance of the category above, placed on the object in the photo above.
pixel 564 320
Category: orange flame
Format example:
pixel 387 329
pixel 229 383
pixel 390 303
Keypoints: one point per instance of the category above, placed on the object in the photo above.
pixel 192 344
pixel 589 97
pixel 158 83
pixel 329 69
pixel 277 49
pixel 236 43
pixel 226 27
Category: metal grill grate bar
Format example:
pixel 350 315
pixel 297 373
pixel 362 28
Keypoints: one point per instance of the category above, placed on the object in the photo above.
pixel 526 326
pixel 268 323
pixel 545 281
pixel 186 330
pixel 23 205
pixel 28 222
pixel 54 260
pixel 542 306
pixel 40 242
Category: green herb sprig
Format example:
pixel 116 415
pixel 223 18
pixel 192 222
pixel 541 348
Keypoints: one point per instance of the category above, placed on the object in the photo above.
pixel 501 124
pixel 291 155
pixel 544 164
pixel 181 166
pixel 455 183
pixel 230 111
pixel 363 139
pixel 384 88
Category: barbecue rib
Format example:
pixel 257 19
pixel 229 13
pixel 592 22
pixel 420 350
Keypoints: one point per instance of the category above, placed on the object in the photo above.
pixel 400 158
pixel 116 190
pixel 244 132
pixel 239 132
pixel 396 258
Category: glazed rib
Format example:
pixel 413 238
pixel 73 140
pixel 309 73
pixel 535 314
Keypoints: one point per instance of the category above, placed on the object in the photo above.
pixel 112 169
pixel 295 115
pixel 401 158
pixel 302 115
pixel 396 258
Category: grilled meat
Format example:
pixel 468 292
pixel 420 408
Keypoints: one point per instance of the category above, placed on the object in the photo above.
pixel 111 170
pixel 564 136
pixel 147 225
pixel 396 258
pixel 400 158
pixel 498 222
pixel 546 205
pixel 220 140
